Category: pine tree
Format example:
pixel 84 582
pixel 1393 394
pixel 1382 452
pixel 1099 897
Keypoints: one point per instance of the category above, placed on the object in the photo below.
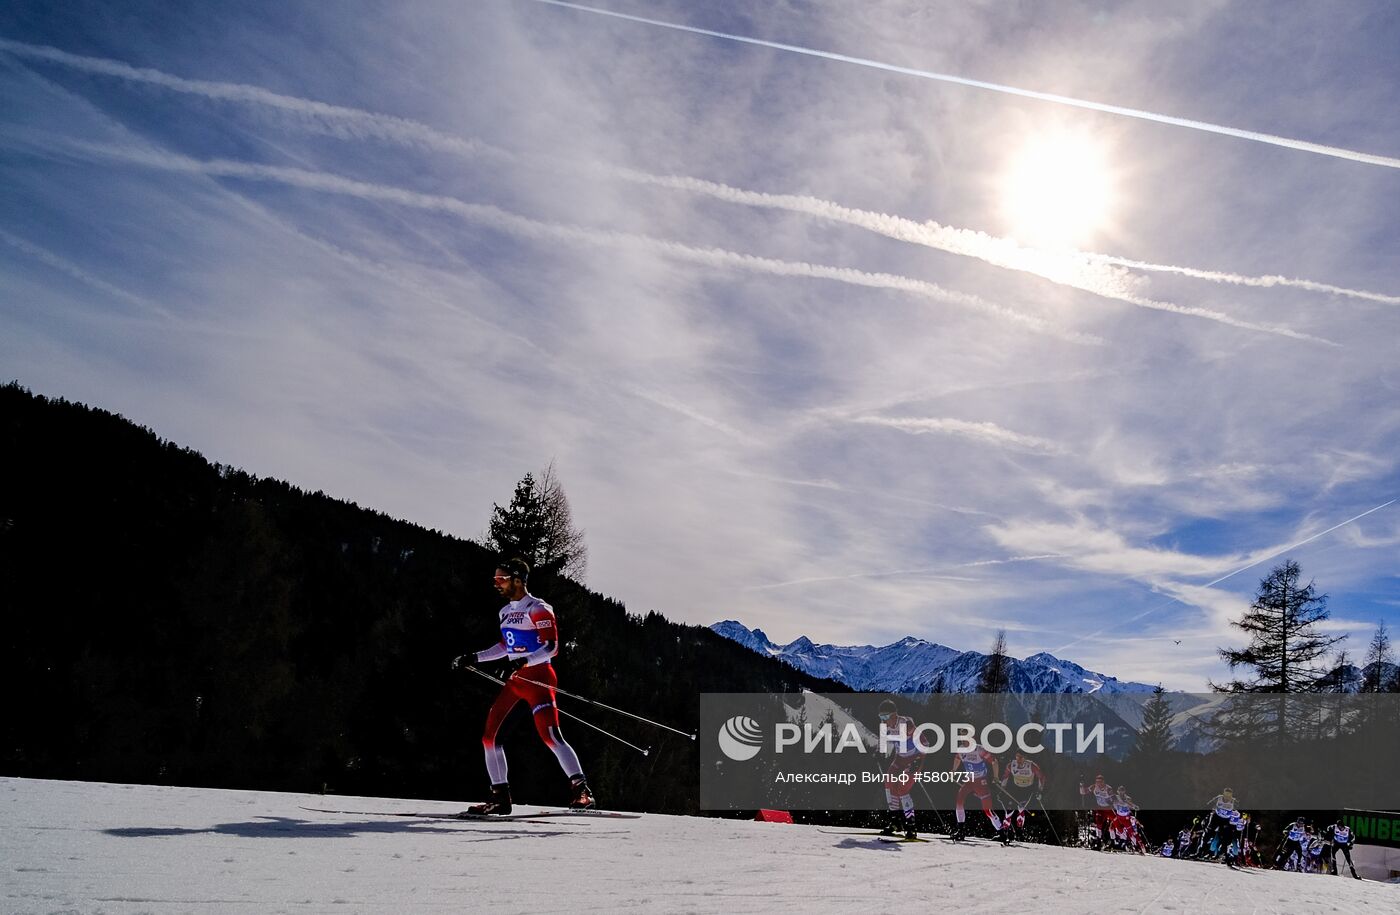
pixel 518 530
pixel 1155 736
pixel 1282 623
pixel 995 676
pixel 1378 661
pixel 538 526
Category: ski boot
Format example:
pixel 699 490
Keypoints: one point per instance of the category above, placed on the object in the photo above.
pixel 910 833
pixel 498 805
pixel 583 798
pixel 893 823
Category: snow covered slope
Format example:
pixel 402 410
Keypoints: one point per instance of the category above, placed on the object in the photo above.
pixel 913 665
pixel 126 849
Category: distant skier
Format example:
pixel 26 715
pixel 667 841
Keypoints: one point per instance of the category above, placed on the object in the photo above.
pixel 1316 847
pixel 1342 840
pixel 1293 838
pixel 906 760
pixel 529 633
pixel 1102 793
pixel 1123 827
pixel 976 762
pixel 1028 783
pixel 1184 843
pixel 1218 826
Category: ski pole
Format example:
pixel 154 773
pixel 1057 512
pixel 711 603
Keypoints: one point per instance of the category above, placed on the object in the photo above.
pixel 1048 822
pixel 664 727
pixel 928 797
pixel 646 752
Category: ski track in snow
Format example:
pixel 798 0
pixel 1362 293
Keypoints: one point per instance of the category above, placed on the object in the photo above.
pixel 127 849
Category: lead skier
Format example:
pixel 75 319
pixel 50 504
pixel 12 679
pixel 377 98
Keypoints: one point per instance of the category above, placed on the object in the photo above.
pixel 1029 783
pixel 529 633
pixel 1339 834
pixel 907 760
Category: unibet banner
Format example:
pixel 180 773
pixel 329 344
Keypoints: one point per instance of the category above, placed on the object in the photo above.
pixel 1216 751
pixel 1374 827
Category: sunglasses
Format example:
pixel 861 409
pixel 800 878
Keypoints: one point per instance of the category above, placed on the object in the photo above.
pixel 501 577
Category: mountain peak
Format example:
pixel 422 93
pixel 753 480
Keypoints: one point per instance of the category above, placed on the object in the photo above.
pixel 915 665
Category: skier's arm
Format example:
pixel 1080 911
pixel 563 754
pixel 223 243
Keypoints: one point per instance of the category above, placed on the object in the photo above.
pixel 542 654
pixel 548 631
pixel 494 653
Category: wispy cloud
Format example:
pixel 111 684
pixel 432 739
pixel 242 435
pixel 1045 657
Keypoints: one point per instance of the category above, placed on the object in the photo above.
pixel 942 573
pixel 525 227
pixel 1099 274
pixel 985 432
pixel 1109 553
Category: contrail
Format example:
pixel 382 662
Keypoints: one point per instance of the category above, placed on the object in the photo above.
pixel 1093 273
pixel 1239 280
pixel 1099 274
pixel 78 273
pixel 525 227
pixel 1211 584
pixel 1286 142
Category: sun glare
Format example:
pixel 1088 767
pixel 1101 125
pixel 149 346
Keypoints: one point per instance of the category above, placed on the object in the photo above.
pixel 1057 191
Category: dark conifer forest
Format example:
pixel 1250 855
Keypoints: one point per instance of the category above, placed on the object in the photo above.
pixel 169 620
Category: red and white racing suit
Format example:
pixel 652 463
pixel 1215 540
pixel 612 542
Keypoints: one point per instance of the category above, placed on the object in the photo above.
pixel 530 631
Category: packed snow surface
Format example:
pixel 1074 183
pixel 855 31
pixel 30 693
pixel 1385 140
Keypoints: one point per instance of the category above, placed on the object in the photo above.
pixel 101 848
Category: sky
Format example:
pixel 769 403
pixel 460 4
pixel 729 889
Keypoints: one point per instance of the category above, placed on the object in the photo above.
pixel 852 321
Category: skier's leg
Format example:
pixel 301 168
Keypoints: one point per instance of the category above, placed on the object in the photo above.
pixel 540 695
pixel 985 796
pixel 495 756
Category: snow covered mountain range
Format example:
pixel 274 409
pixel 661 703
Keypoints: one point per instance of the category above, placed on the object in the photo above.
pixel 914 666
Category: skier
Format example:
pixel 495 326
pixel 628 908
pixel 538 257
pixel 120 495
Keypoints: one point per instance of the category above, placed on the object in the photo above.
pixel 529 633
pixel 1122 829
pixel 1183 843
pixel 1316 859
pixel 1342 840
pixel 905 764
pixel 1293 838
pixel 1029 783
pixel 1102 793
pixel 1218 827
pixel 976 762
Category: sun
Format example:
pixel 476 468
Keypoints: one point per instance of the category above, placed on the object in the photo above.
pixel 1057 191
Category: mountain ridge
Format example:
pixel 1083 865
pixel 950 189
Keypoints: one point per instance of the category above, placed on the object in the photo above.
pixel 915 665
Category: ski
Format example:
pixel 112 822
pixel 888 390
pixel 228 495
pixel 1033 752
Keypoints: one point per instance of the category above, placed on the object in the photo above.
pixel 898 840
pixel 483 817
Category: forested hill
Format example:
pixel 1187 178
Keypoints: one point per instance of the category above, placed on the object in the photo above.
pixel 172 621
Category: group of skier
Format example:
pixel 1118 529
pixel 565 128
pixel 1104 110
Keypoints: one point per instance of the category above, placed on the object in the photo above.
pixel 1315 851
pixel 1019 783
pixel 530 639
